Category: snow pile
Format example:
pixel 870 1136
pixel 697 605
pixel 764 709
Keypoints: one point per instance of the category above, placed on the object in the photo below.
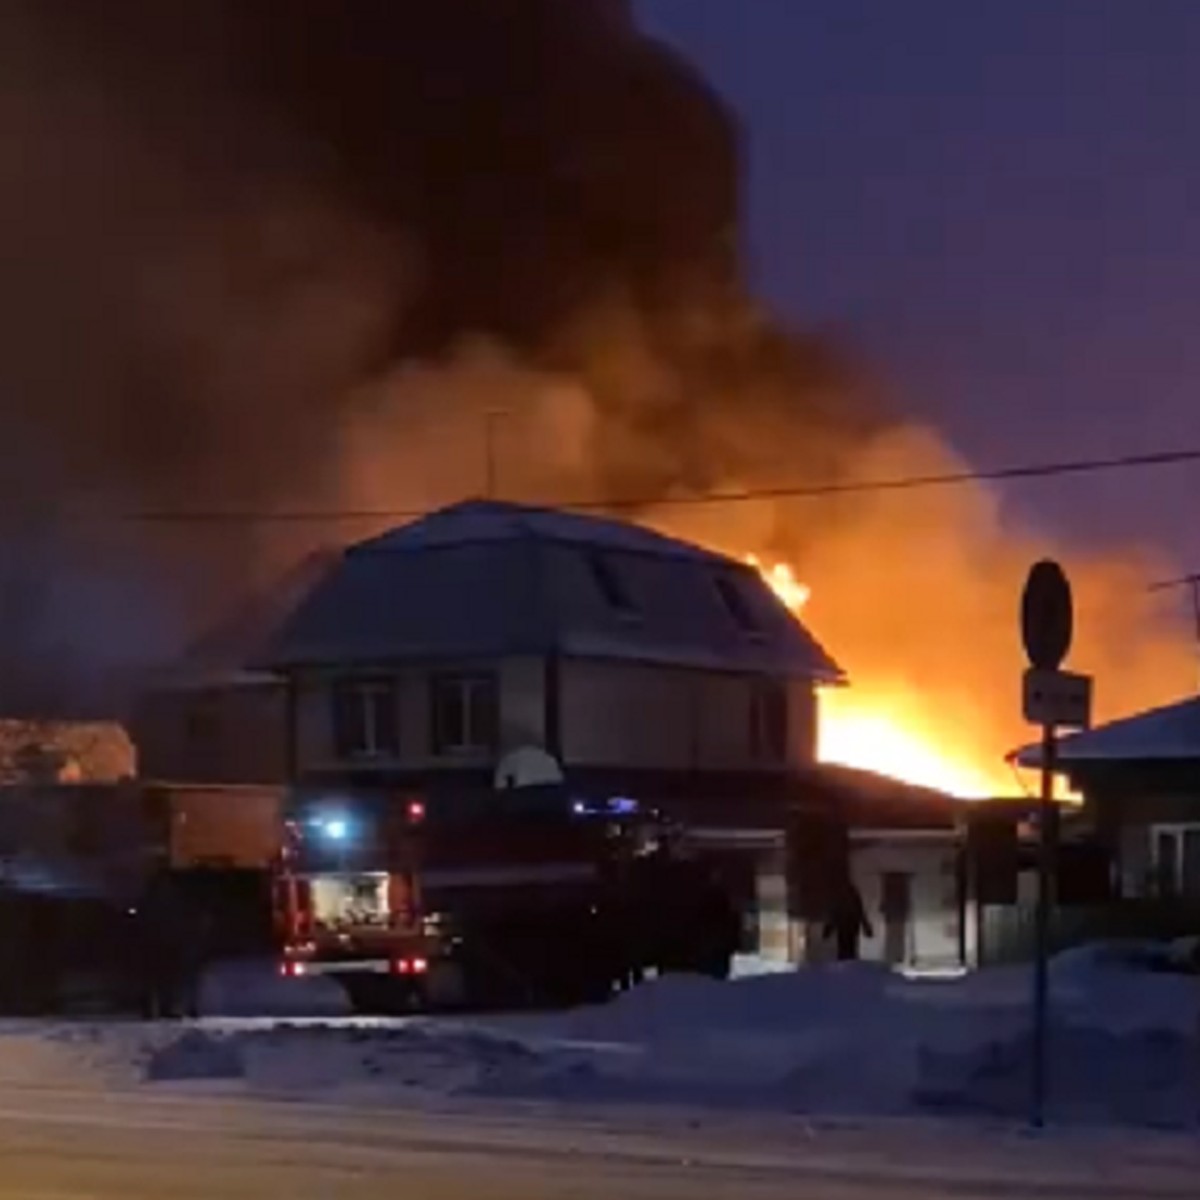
pixel 1122 1046
pixel 319 1058
pixel 1094 1076
pixel 843 1039
pixel 196 1055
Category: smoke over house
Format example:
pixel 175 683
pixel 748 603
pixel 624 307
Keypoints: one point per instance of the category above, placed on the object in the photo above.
pixel 258 255
pixel 267 257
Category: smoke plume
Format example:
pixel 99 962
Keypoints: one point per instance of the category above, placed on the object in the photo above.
pixel 244 238
pixel 377 254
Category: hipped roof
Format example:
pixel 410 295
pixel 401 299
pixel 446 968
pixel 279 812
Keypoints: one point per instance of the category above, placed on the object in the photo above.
pixel 487 579
pixel 1170 733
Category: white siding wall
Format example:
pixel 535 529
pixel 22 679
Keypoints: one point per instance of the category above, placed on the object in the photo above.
pixel 776 937
pixel 522 702
pixel 627 715
pixel 934 937
pixel 643 716
pixel 802 722
pixel 611 714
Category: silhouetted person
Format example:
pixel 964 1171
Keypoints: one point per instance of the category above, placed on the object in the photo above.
pixel 848 921
pixel 722 927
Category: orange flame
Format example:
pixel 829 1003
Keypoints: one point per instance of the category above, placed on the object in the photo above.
pixel 783 582
pixel 892 729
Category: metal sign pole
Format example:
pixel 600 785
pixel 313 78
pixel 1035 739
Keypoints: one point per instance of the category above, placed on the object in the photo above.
pixel 1047 856
pixel 1053 699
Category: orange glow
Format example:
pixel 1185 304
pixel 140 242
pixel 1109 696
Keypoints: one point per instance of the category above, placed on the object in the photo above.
pixel 890 728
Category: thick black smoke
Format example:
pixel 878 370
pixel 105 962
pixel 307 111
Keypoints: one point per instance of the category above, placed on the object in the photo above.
pixel 224 219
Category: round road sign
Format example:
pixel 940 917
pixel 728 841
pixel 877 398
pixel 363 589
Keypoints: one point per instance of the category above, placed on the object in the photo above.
pixel 1047 618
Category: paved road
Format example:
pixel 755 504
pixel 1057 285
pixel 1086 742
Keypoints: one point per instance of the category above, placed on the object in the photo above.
pixel 63 1144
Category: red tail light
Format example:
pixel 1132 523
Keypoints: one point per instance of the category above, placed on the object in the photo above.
pixel 292 970
pixel 410 966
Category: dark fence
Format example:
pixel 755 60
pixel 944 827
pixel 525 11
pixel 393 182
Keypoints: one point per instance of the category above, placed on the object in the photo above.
pixel 62 952
pixel 1007 932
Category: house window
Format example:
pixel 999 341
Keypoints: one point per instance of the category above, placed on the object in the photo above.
pixel 612 587
pixel 769 721
pixel 465 714
pixel 365 721
pixel 737 606
pixel 1176 860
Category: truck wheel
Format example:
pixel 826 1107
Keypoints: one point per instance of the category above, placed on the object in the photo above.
pixel 721 966
pixel 367 998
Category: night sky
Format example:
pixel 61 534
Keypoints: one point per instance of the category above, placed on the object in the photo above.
pixel 999 203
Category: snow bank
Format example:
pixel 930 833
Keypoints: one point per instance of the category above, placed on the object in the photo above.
pixel 838 1040
pixel 1094 1076
pixel 319 1058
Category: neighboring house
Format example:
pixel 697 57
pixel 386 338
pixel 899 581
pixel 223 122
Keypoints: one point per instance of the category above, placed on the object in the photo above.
pixel 1140 778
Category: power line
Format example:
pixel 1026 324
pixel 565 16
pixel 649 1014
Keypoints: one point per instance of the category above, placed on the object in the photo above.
pixel 1164 458
pixel 1172 584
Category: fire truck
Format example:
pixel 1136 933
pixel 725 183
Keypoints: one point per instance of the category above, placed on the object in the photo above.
pixel 528 897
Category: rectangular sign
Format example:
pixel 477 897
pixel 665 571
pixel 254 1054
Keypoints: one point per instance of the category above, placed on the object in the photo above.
pixel 1057 698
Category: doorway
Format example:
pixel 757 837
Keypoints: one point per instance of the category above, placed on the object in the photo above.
pixel 896 909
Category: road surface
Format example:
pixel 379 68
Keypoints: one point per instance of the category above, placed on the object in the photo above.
pixel 64 1143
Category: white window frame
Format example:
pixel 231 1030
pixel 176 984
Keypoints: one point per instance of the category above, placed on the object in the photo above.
pixel 1177 831
pixel 473 741
pixel 379 741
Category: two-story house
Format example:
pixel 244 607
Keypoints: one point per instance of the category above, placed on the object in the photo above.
pixel 646 666
pixel 423 654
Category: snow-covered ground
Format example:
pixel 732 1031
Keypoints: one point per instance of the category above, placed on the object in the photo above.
pixel 850 1040
pixel 841 1077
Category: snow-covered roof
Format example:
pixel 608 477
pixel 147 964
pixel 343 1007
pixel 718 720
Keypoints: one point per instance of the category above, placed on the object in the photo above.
pixel 1167 734
pixel 502 521
pixel 485 579
pixel 186 678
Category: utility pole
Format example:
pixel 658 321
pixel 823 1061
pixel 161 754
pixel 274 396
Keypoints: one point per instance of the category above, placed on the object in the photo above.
pixel 490 417
pixel 1192 583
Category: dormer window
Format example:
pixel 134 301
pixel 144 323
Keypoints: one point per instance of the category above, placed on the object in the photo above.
pixel 612 587
pixel 737 606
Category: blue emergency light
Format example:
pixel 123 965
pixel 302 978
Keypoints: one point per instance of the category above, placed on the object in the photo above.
pixel 334 828
pixel 614 806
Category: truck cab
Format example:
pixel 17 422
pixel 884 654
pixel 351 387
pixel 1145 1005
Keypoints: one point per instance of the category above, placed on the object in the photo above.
pixel 432 900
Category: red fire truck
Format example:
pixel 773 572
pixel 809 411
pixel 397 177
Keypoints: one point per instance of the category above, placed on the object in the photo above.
pixel 529 897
